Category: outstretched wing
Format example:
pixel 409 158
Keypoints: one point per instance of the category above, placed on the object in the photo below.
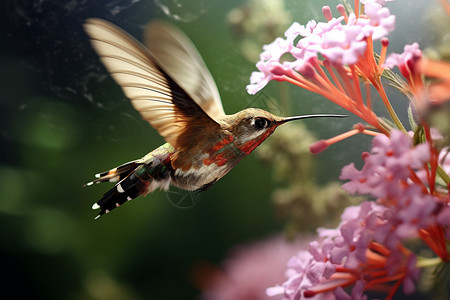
pixel 153 93
pixel 176 54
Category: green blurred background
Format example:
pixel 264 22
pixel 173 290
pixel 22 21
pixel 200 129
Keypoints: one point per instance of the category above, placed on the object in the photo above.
pixel 63 119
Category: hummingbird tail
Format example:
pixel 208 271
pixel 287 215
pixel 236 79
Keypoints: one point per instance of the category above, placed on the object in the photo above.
pixel 125 190
pixel 137 177
pixel 116 174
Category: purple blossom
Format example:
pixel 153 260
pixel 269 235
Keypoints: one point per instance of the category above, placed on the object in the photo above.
pixel 351 244
pixel 322 268
pixel 385 175
pixel 304 273
pixel 356 294
pixel 413 211
pixel 387 167
pixel 412 273
pixel 402 209
pixel 298 266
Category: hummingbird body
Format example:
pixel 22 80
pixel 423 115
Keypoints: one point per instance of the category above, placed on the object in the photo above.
pixel 169 85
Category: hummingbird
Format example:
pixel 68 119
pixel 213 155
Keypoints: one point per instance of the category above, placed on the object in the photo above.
pixel 170 86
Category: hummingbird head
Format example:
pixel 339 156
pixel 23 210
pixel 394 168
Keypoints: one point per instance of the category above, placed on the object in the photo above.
pixel 251 126
pixel 252 123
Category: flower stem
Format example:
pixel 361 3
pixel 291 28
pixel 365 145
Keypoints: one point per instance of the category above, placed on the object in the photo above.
pixel 428 262
pixel 443 174
pixel 388 106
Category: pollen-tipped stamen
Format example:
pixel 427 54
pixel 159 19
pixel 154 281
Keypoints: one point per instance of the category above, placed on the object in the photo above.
pixel 382 59
pixel 343 12
pixel 322 145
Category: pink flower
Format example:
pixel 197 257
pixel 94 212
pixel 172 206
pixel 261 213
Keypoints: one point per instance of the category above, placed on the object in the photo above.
pixel 257 81
pixel 388 166
pixel 274 51
pixel 316 29
pixel 379 21
pixel 322 45
pixel 342 45
pixel 269 61
pixel 296 29
pixel 406 60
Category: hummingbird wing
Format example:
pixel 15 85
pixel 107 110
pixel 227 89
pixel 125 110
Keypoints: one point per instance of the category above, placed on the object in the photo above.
pixel 153 93
pixel 176 54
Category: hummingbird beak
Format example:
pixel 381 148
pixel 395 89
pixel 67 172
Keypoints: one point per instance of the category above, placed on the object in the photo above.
pixel 288 119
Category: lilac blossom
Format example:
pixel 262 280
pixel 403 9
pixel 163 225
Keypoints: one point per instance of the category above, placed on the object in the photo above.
pixel 387 167
pixel 338 260
pixel 366 249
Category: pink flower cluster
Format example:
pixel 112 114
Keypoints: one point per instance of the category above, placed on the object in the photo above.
pixel 349 256
pixel 341 44
pixel 390 174
pixel 405 60
pixel 387 168
pixel 366 251
pixel 408 63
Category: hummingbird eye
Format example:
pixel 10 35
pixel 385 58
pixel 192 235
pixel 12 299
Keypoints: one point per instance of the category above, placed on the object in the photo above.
pixel 261 123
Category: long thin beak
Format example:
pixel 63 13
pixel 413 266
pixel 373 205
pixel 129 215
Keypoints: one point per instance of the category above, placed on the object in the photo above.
pixel 288 119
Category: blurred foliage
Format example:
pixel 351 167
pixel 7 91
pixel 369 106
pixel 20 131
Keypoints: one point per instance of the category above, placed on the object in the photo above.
pixel 438 24
pixel 251 27
pixel 62 119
